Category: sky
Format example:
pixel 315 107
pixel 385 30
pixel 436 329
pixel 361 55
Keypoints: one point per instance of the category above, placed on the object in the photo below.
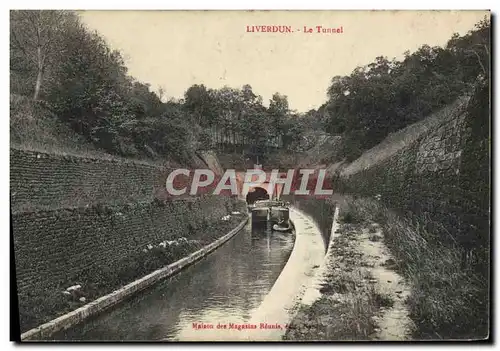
pixel 176 49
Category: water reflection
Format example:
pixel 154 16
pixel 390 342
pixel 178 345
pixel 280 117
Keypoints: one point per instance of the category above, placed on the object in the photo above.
pixel 225 287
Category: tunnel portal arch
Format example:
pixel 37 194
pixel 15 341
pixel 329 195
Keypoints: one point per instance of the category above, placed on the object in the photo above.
pixel 258 194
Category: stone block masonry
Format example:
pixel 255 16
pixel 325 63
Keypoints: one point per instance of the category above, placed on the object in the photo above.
pixel 52 246
pixel 40 179
pixel 67 320
pixel 74 214
pixel 442 176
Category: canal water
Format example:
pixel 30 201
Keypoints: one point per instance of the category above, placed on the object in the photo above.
pixel 225 287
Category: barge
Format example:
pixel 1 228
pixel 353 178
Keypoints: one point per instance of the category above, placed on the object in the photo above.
pixel 274 212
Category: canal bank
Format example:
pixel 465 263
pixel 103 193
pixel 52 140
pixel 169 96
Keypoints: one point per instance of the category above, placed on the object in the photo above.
pixel 357 294
pixel 282 302
pixel 270 320
pixel 222 288
pixel 247 290
pixel 106 302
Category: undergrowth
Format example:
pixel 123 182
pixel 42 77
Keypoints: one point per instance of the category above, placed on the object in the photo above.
pixel 97 281
pixel 448 300
pixel 32 126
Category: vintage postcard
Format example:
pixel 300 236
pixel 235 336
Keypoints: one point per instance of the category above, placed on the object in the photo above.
pixel 250 175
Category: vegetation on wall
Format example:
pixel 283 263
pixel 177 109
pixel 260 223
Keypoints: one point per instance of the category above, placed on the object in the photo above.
pixel 71 71
pixel 387 95
pixel 61 64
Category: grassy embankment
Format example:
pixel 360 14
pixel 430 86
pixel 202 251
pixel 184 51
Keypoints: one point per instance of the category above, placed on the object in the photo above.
pixel 448 301
pixel 98 281
pixel 445 301
pixel 34 127
pixel 350 304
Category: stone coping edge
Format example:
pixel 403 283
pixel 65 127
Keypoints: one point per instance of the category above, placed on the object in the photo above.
pixel 104 302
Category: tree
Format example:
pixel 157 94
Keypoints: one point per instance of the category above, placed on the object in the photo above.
pixel 84 82
pixel 387 95
pixel 161 93
pixel 198 101
pixel 278 112
pixel 34 39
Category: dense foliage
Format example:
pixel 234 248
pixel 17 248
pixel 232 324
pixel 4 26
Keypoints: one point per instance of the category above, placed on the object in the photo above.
pixel 71 70
pixel 56 60
pixel 387 95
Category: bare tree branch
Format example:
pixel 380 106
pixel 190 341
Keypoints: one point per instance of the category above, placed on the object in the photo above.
pixel 479 60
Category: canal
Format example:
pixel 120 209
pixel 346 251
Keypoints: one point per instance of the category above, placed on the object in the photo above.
pixel 225 287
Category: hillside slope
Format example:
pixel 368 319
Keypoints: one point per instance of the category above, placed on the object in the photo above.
pixel 404 137
pixel 34 127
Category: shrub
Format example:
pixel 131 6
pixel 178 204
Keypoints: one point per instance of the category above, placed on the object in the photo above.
pixel 448 300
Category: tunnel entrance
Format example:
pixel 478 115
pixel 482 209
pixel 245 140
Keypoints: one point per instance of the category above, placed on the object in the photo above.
pixel 257 194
